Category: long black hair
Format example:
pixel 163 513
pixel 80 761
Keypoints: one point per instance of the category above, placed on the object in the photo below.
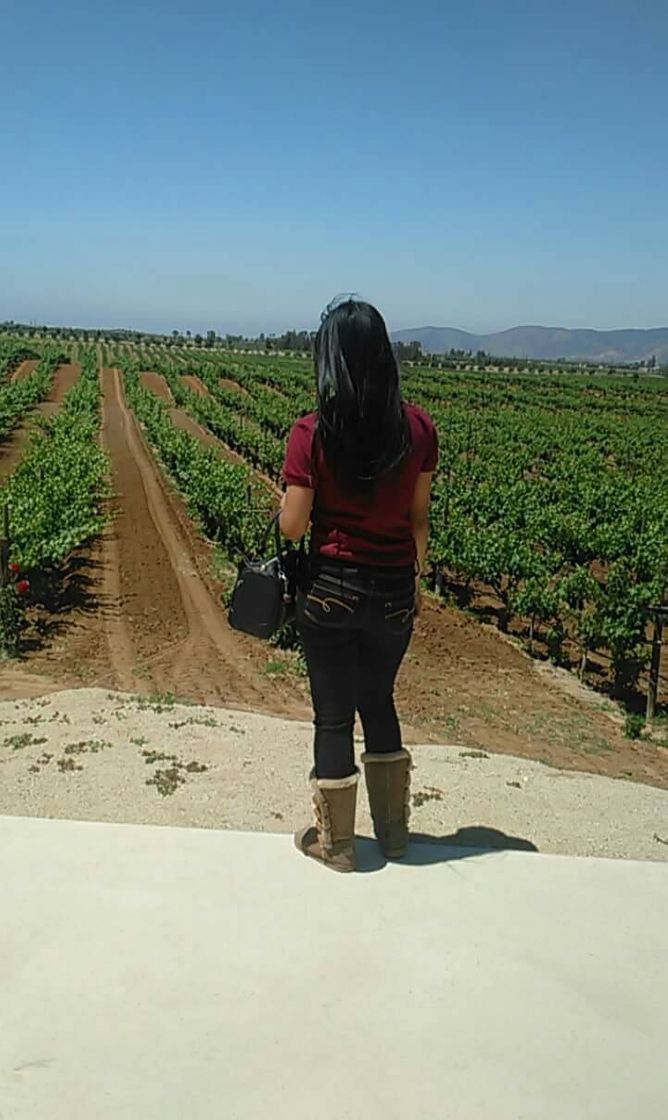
pixel 362 425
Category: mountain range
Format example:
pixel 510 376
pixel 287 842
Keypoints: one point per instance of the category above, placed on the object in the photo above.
pixel 546 342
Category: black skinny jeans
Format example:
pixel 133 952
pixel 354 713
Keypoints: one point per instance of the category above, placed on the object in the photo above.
pixel 355 624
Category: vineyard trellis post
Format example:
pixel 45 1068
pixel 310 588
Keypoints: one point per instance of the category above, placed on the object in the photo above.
pixel 660 616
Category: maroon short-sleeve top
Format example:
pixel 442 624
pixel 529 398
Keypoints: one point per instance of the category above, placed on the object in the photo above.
pixel 363 529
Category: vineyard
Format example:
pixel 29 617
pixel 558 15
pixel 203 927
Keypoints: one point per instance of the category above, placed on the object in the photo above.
pixel 550 512
pixel 552 492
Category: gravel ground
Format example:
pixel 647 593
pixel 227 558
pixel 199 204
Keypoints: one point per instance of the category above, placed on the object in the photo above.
pixel 89 754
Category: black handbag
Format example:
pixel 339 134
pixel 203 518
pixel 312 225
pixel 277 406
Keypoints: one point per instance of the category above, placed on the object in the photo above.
pixel 263 597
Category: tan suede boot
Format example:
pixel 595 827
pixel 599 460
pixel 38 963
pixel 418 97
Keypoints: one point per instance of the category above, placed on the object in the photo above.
pixel 331 840
pixel 388 783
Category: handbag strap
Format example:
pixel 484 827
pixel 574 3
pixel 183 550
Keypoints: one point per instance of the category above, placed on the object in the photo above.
pixel 273 524
pixel 275 527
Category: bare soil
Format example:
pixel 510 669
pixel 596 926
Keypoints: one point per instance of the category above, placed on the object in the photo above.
pixel 24 370
pixel 225 383
pixel 65 379
pixel 464 682
pixel 193 383
pixel 157 384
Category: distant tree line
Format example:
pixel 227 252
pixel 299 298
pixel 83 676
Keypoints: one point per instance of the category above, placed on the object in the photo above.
pixel 301 342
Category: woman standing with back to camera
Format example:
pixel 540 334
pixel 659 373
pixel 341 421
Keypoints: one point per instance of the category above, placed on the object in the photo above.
pixel 360 470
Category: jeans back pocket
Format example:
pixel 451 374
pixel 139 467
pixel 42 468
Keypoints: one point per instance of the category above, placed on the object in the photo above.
pixel 327 603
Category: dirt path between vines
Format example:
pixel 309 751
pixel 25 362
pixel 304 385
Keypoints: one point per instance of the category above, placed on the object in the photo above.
pixel 169 631
pixel 192 382
pixel 150 622
pixel 11 451
pixel 24 369
pixel 157 384
pixel 226 383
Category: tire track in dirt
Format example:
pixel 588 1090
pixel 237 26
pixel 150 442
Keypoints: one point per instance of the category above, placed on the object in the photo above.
pixel 165 628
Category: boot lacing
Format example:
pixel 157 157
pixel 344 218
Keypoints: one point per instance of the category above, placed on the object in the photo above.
pixel 323 821
pixel 407 795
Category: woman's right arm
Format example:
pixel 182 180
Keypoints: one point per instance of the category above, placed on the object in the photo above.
pixel 420 519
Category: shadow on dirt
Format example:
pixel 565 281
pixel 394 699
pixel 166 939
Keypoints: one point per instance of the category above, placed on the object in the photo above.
pixel 58 598
pixel 425 849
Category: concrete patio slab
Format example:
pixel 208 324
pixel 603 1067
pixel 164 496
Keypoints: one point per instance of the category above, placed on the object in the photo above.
pixel 152 973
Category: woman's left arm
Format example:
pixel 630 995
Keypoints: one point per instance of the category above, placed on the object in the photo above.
pixel 296 507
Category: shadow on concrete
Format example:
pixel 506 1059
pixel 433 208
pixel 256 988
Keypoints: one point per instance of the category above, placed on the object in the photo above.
pixel 425 849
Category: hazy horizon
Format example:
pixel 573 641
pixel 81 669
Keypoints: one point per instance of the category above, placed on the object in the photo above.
pixel 298 326
pixel 479 167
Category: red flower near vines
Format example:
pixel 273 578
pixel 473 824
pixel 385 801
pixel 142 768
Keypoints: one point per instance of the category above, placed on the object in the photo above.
pixel 14 568
pixel 23 586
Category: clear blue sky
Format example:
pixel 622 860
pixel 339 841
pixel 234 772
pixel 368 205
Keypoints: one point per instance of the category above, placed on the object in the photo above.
pixel 473 163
